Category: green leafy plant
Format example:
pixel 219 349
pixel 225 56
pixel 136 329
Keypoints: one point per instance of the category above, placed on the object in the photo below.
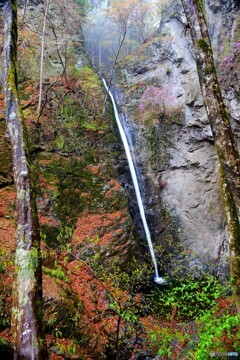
pixel 57 273
pixel 189 298
pixel 167 341
pixel 216 330
pixel 217 333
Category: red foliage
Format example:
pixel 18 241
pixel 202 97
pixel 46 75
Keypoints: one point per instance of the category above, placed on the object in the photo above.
pixel 97 319
pixel 92 225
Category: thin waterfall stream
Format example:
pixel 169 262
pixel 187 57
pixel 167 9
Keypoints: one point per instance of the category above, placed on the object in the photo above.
pixel 157 279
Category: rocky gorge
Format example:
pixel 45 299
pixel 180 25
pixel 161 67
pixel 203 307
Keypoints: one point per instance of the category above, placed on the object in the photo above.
pixel 99 300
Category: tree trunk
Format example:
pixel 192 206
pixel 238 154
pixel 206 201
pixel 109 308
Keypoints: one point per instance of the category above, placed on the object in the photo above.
pixel 227 152
pixel 42 58
pixel 27 326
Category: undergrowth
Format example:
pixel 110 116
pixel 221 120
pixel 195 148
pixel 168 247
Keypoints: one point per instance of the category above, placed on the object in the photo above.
pixel 190 319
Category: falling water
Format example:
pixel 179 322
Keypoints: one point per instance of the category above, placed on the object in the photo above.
pixel 157 278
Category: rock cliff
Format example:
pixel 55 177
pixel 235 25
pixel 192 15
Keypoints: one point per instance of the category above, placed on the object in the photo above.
pixel 173 143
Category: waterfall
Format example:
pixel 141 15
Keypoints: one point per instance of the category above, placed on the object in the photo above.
pixel 157 278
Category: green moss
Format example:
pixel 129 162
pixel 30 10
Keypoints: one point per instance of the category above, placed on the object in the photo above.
pixel 202 43
pixel 158 138
pixel 89 78
pixel 59 141
pixel 202 6
pixel 72 178
pixel 57 273
pixel 117 200
pixel 14 5
pixel 211 70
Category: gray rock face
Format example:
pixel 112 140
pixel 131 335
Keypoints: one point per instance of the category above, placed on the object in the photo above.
pixel 174 150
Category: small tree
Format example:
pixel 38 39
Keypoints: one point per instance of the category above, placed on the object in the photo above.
pixel 42 57
pixel 127 15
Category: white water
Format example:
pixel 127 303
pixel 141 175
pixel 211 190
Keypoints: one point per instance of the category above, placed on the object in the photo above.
pixel 157 278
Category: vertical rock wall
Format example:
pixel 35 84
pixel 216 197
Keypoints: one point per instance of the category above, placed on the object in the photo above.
pixel 174 149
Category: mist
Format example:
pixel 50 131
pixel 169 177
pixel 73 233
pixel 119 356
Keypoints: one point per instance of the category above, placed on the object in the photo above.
pixel 115 29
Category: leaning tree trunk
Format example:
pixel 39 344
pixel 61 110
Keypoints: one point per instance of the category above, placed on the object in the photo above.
pixel 227 152
pixel 27 326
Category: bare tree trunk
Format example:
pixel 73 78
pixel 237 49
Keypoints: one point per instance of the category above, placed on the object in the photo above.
pixel 227 152
pixel 27 326
pixel 42 58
